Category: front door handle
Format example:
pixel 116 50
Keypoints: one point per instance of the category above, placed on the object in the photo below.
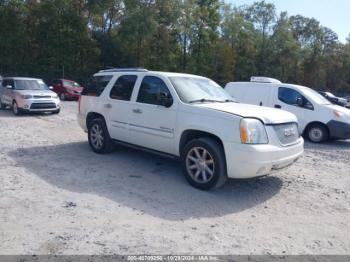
pixel 137 111
pixel 278 106
pixel 107 105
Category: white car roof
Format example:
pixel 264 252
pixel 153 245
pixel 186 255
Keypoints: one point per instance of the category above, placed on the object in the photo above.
pixel 159 73
pixel 21 78
pixel 274 85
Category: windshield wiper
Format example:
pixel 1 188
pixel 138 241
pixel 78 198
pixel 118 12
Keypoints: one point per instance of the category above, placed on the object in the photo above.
pixel 203 100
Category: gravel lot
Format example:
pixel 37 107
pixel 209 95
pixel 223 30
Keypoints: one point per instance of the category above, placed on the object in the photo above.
pixel 58 197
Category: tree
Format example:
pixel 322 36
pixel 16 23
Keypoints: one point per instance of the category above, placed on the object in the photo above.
pixel 263 15
pixel 284 52
pixel 241 36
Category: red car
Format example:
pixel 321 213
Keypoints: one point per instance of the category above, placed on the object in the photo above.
pixel 66 89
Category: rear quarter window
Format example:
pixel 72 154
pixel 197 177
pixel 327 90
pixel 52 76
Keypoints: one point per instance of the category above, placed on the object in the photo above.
pixel 96 85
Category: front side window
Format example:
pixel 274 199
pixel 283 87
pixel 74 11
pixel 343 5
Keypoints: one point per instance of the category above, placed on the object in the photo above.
pixel 293 97
pixel 151 90
pixel 123 87
pixel 96 85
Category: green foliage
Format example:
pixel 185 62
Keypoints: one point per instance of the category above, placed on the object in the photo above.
pixel 75 38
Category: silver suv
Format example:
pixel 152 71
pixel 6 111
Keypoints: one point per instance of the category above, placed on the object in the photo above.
pixel 28 95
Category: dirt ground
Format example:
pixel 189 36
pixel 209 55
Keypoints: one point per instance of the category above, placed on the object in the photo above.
pixel 58 197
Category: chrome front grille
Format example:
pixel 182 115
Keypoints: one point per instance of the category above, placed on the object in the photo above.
pixel 287 134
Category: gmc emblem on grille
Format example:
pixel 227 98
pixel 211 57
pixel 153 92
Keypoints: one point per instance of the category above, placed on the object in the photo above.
pixel 289 132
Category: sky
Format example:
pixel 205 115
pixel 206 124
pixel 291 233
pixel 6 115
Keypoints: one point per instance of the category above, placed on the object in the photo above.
pixel 334 14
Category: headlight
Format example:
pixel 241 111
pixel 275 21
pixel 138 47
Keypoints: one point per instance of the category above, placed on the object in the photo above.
pixel 253 131
pixel 54 96
pixel 26 96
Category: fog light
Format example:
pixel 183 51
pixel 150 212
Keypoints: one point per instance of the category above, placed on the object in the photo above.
pixel 26 106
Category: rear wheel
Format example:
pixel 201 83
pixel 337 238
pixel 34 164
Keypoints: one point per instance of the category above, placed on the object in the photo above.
pixel 317 133
pixel 204 164
pixel 99 139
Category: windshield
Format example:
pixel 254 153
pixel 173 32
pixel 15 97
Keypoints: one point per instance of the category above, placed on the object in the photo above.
pixel 193 89
pixel 71 84
pixel 35 84
pixel 315 97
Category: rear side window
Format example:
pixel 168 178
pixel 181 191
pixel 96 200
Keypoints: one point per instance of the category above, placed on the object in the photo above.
pixel 8 82
pixel 150 90
pixel 96 85
pixel 123 87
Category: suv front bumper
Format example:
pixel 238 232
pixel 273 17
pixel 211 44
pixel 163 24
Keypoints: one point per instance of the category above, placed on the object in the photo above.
pixel 247 161
pixel 338 130
pixel 38 105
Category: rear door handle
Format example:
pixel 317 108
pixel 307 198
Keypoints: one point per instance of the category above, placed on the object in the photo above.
pixel 107 105
pixel 137 111
pixel 278 106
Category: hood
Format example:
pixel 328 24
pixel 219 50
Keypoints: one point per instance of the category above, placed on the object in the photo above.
pixel 265 114
pixel 344 110
pixel 35 92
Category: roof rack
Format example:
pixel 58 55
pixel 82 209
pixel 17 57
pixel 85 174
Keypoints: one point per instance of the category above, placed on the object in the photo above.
pixel 262 79
pixel 124 70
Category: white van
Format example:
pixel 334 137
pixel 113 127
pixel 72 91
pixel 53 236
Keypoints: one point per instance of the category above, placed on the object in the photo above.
pixel 319 120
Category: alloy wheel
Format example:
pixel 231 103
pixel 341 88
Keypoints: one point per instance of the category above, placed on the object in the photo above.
pixel 200 165
pixel 96 135
pixel 15 108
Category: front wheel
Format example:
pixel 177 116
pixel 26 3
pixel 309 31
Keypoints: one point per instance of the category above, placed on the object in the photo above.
pixel 204 164
pixel 63 97
pixel 16 111
pixel 317 133
pixel 99 139
pixel 2 105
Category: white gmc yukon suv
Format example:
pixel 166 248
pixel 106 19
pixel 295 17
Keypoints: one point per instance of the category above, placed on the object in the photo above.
pixel 191 118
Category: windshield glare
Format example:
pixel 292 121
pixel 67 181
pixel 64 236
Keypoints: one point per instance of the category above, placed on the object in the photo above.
pixel 30 85
pixel 193 89
pixel 315 96
pixel 71 84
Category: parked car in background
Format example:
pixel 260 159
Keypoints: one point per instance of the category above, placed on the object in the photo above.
pixel 334 99
pixel 66 89
pixel 348 101
pixel 27 95
pixel 191 118
pixel 319 120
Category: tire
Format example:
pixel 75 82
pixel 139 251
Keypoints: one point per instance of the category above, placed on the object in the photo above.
pixel 204 155
pixel 16 111
pixel 2 106
pixel 63 97
pixel 317 133
pixel 99 139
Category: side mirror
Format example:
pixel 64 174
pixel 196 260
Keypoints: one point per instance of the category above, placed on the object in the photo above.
pixel 300 102
pixel 51 87
pixel 9 87
pixel 165 99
